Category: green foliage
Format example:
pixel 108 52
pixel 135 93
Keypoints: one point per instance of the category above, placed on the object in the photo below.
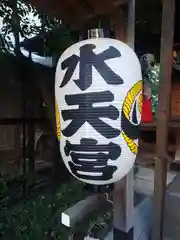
pixel 17 22
pixel 99 224
pixel 154 78
pixel 40 219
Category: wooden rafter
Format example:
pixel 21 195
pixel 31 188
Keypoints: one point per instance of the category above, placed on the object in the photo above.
pixel 101 7
pixel 78 12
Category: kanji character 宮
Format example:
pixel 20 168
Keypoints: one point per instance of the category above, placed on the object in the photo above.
pixel 89 160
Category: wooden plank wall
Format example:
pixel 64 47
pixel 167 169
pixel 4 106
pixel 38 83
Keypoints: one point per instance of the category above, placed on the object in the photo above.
pixel 11 108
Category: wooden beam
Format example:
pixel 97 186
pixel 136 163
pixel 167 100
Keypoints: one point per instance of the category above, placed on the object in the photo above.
pixel 69 8
pixel 19 121
pixel 123 197
pixel 162 117
pixel 78 12
pixel 131 24
pixel 58 10
pixel 177 151
pixel 102 7
pixel 119 21
pixel 17 145
pixel 172 125
pixel 48 98
pixel 81 210
pixel 123 202
pixel 117 3
pixel 31 130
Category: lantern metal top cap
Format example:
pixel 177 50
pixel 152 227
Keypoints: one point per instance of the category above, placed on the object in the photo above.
pixel 95 33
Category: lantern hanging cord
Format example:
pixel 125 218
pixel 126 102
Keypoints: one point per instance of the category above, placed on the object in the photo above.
pixel 98 34
pixel 99 24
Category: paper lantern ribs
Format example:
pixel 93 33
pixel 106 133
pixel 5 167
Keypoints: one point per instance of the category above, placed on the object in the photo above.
pixel 98 92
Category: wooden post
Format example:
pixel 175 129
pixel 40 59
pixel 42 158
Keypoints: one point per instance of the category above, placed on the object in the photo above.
pixel 31 136
pixel 123 197
pixel 24 168
pixel 17 141
pixel 162 117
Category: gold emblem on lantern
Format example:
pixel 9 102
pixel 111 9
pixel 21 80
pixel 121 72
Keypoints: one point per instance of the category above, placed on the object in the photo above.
pixel 57 121
pixel 133 99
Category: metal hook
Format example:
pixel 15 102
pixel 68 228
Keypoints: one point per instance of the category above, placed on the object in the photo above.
pixel 107 198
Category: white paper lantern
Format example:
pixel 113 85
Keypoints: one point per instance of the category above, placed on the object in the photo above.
pixel 98 92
